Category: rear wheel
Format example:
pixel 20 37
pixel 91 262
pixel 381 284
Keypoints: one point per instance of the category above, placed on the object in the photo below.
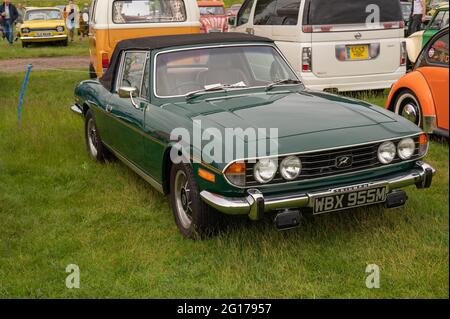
pixel 408 106
pixel 193 217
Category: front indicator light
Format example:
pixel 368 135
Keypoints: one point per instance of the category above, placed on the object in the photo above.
pixel 386 152
pixel 235 173
pixel 423 144
pixel 208 176
pixel 406 148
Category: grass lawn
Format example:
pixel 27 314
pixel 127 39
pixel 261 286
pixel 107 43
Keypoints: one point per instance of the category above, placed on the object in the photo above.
pixel 58 207
pixel 37 50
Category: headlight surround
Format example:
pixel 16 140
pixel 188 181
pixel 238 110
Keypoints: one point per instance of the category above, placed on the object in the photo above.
pixel 290 167
pixel 386 152
pixel 406 148
pixel 265 170
pixel 60 29
pixel 25 30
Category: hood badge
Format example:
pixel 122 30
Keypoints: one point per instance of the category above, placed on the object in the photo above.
pixel 344 161
pixel 358 36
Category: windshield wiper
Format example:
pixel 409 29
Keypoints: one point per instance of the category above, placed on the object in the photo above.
pixel 282 82
pixel 215 87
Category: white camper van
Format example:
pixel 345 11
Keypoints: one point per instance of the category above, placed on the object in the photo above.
pixel 342 45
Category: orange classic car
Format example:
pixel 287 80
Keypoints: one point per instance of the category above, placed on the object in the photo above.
pixel 421 96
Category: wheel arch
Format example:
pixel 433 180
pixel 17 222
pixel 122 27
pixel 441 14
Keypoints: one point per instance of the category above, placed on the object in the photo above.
pixel 416 83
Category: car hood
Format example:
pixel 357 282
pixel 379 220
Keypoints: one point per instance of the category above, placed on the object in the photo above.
pixel 42 24
pixel 292 113
pixel 305 120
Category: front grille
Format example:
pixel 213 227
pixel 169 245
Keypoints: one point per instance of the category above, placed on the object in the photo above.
pixel 323 163
pixel 42 29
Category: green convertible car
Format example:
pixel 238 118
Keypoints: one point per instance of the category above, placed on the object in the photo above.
pixel 221 124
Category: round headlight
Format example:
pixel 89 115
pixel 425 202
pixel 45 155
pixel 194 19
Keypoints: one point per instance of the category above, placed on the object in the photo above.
pixel 25 30
pixel 60 29
pixel 406 148
pixel 386 152
pixel 290 167
pixel 265 170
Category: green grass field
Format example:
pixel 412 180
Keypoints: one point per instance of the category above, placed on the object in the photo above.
pixel 77 48
pixel 58 207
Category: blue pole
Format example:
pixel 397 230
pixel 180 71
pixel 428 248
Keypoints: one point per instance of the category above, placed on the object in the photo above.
pixel 25 81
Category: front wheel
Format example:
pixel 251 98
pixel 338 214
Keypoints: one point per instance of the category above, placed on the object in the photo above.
pixel 24 44
pixel 194 218
pixel 408 106
pixel 94 144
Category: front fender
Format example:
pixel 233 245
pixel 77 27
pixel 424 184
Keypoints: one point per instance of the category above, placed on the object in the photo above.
pixel 417 83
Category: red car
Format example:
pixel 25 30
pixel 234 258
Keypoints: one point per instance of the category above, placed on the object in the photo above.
pixel 212 16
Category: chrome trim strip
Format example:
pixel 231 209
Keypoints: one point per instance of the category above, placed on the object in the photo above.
pixel 44 38
pixel 322 150
pixel 218 46
pixel 137 170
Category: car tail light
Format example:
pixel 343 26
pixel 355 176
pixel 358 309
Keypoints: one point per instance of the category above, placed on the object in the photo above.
pixel 403 53
pixel 235 173
pixel 307 29
pixel 307 60
pixel 105 60
pixel 402 24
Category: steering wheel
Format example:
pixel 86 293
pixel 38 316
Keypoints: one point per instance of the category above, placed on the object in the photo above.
pixel 188 87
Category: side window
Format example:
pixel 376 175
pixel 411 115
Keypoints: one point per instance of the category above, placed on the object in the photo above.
pixel 436 24
pixel 437 53
pixel 244 13
pixel 277 12
pixel 148 11
pixel 132 70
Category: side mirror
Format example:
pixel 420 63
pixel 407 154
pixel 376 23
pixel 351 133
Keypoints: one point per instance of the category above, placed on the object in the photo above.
pixel 128 92
pixel 232 21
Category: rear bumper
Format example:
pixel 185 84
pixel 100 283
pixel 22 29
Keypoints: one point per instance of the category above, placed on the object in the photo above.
pixel 255 203
pixel 353 83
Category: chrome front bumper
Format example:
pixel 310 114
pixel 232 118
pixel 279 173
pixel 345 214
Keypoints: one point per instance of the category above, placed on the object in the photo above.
pixel 255 203
pixel 52 37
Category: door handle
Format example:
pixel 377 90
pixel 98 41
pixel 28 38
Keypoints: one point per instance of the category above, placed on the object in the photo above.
pixel 250 31
pixel 109 108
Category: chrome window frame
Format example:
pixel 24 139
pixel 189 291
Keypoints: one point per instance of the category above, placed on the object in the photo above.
pixel 119 72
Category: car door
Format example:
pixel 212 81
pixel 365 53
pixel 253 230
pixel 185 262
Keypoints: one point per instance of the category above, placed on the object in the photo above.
pixel 126 129
pixel 434 67
pixel 244 20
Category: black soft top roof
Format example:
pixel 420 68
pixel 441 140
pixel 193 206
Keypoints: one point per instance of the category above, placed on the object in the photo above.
pixel 166 41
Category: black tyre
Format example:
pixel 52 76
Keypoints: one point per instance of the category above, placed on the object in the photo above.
pixel 408 106
pixel 24 45
pixel 65 43
pixel 94 144
pixel 194 218
pixel 92 73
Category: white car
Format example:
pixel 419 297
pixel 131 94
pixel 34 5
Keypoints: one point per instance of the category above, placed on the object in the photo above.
pixel 342 45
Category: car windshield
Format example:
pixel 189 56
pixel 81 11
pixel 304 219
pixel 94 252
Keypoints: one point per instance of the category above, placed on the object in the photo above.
pixel 182 72
pixel 216 10
pixel 43 15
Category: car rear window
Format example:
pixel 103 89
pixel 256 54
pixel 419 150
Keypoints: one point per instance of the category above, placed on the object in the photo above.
pixel 148 11
pixel 331 12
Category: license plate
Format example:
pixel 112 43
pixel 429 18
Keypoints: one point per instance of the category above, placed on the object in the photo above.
pixel 358 52
pixel 340 201
pixel 43 34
